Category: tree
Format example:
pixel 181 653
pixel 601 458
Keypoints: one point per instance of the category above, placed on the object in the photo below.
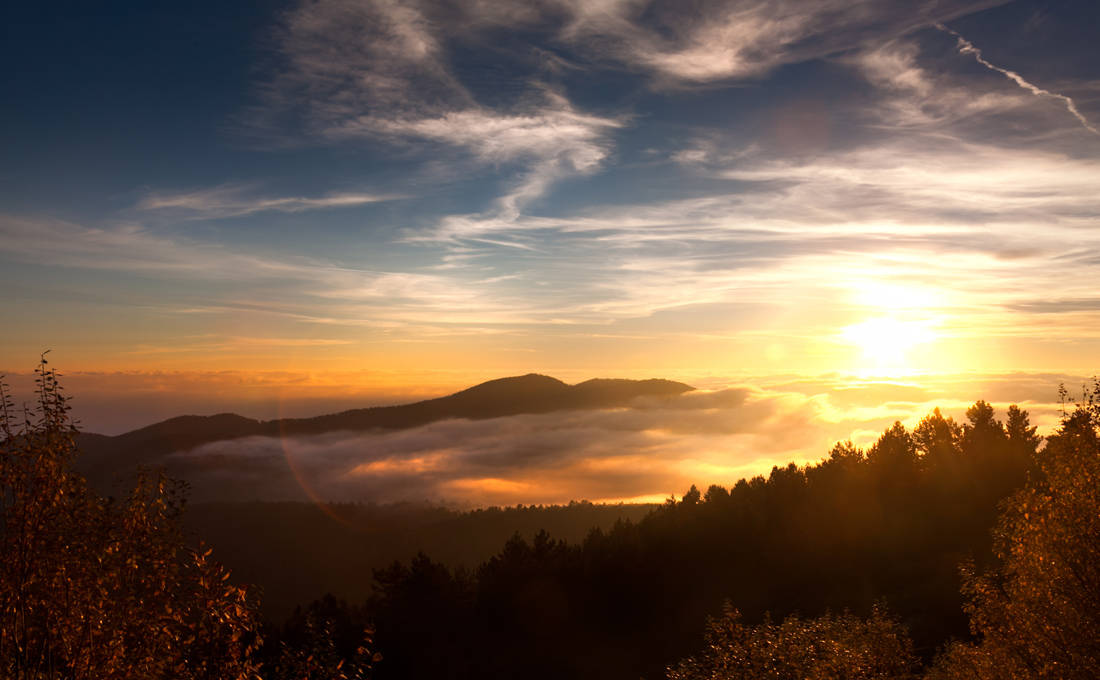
pixel 326 641
pixel 1038 615
pixel 937 440
pixel 894 450
pixel 1022 437
pixel 94 588
pixel 983 431
pixel 843 647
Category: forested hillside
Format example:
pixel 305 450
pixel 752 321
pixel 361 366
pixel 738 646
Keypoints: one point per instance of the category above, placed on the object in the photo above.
pixel 890 525
pixel 296 552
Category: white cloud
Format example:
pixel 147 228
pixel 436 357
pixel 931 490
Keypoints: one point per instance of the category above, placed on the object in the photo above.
pixel 741 38
pixel 934 182
pixel 236 201
pixel 551 133
pixel 957 221
pixel 340 59
pixel 378 70
pixel 967 47
pixel 918 93
pixel 436 302
pixel 552 141
pixel 132 247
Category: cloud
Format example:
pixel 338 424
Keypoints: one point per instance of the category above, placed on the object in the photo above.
pixel 921 89
pixel 368 53
pixel 738 39
pixel 551 140
pixel 298 288
pixel 922 213
pixel 235 201
pixel 651 450
pixel 913 97
pixel 930 182
pixel 132 247
pixel 594 454
pixel 379 71
pixel 335 60
pixel 955 222
pixel 967 47
pixel 551 133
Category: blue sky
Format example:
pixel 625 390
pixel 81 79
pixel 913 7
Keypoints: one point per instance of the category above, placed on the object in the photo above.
pixel 617 187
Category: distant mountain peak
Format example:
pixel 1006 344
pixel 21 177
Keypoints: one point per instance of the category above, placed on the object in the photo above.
pixel 532 393
pixel 527 381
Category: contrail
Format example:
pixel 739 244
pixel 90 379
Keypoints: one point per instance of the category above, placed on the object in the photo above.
pixel 967 47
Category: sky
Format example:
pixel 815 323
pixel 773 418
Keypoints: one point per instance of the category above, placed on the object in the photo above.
pixel 290 208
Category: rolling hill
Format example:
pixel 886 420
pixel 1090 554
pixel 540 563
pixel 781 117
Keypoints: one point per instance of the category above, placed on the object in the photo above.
pixel 104 459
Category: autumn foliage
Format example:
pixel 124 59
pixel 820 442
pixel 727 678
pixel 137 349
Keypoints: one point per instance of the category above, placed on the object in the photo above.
pixel 93 587
pixel 1038 616
pixel 830 647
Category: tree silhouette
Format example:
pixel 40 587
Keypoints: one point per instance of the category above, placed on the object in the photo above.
pixel 1038 615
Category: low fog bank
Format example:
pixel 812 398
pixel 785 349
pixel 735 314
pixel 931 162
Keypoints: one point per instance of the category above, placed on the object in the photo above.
pixel 654 449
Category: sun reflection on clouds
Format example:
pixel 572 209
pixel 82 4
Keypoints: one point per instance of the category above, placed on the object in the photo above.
pixel 489 487
pixel 413 466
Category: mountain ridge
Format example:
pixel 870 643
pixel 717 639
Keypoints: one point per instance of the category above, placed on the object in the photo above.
pixel 105 456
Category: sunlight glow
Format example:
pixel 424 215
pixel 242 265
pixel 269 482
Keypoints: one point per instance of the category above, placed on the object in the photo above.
pixel 892 296
pixel 886 341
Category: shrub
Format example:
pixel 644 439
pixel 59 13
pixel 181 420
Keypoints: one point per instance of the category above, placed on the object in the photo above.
pixel 829 647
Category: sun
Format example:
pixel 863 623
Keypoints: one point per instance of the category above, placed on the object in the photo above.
pixel 885 342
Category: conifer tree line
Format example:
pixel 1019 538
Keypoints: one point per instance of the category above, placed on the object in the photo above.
pixel 948 551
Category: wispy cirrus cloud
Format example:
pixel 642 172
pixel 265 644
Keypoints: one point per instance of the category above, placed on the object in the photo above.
pixel 915 96
pixel 340 60
pixel 550 141
pixel 380 71
pixel 555 132
pixel 731 39
pixel 967 47
pixel 234 200
pixel 953 220
pixel 134 248
pixel 306 290
pixel 921 90
pixel 949 217
pixel 926 188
